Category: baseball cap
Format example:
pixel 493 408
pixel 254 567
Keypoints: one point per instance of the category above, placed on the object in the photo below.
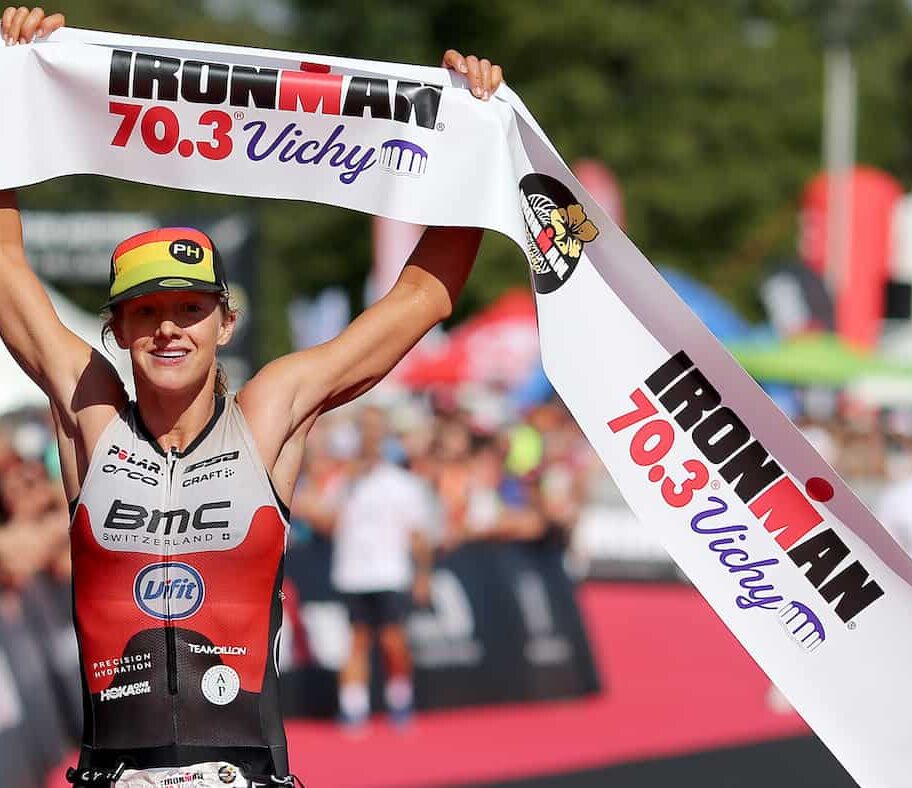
pixel 165 260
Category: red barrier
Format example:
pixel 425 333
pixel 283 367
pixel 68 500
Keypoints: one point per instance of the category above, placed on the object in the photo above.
pixel 860 298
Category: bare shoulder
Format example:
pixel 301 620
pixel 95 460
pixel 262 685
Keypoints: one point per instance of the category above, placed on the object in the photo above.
pixel 82 415
pixel 284 396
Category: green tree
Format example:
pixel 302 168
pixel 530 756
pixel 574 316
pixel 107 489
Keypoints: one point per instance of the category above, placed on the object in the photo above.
pixel 709 114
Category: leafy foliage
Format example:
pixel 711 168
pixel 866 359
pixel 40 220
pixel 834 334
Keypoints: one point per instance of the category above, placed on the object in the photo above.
pixel 708 113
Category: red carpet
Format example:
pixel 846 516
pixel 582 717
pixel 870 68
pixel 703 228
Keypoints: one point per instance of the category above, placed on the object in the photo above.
pixel 677 682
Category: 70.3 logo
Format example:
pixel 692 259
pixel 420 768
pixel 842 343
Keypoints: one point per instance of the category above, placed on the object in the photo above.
pixel 649 445
pixel 160 130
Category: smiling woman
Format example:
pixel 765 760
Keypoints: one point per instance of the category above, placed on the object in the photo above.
pixel 179 498
pixel 169 298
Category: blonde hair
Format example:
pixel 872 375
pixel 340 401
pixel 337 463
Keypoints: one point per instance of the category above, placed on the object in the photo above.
pixel 229 310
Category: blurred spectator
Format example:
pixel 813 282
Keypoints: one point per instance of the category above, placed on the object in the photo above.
pixel 894 510
pixel 496 506
pixel 33 511
pixel 381 518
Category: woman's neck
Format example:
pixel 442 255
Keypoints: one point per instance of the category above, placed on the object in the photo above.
pixel 175 419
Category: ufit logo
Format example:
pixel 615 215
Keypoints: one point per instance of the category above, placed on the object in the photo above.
pixel 169 591
pixel 142 75
pixel 783 509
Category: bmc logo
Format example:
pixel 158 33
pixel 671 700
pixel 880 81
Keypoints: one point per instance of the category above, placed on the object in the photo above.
pixel 124 516
pixel 169 591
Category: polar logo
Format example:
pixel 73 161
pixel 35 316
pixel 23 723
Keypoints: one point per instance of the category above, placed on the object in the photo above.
pixel 169 591
pixel 402 157
pixel 186 251
pixel 802 624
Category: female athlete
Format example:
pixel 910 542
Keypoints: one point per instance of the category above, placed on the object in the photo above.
pixel 179 512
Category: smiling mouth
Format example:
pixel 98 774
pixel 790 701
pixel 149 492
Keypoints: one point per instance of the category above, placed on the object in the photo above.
pixel 170 355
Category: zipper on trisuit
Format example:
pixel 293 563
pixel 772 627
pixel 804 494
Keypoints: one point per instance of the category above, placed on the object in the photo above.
pixel 170 639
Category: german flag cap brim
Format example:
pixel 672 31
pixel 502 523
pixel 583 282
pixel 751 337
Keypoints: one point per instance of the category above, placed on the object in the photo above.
pixel 165 260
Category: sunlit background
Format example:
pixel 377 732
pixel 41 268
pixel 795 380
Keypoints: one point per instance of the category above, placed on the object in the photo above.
pixel 759 152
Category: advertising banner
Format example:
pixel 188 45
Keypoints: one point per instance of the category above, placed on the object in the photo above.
pixel 811 584
pixel 502 627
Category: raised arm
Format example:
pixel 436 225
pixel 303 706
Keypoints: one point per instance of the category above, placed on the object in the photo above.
pixel 288 393
pixel 82 386
pixel 285 397
pixel 52 355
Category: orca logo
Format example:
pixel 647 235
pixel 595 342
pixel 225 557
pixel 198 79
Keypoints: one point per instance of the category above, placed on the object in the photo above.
pixel 186 251
pixel 130 473
pixel 169 591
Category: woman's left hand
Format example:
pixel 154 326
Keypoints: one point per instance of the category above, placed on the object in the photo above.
pixel 484 77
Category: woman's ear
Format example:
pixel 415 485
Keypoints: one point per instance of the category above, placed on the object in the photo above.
pixel 117 330
pixel 226 330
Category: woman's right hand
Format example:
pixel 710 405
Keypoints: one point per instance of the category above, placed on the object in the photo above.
pixel 21 25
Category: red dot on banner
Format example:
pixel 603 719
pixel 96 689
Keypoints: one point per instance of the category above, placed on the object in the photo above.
pixel 819 489
pixel 656 472
pixel 185 148
pixel 315 68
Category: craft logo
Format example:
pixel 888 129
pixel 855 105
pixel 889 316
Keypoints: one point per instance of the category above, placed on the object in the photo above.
pixel 169 591
pixel 126 691
pixel 142 75
pixel 556 230
pixel 780 505
pixel 402 157
pixel 208 473
pixel 186 251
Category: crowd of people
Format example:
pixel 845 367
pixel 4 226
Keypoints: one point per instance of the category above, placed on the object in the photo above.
pixel 522 478
pixel 393 483
pixel 503 478
pixel 486 473
pixel 33 507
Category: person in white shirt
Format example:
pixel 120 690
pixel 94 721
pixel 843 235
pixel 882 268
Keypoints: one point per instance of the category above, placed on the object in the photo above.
pixel 894 510
pixel 381 563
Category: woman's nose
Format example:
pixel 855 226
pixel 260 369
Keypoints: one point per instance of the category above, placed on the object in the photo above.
pixel 168 328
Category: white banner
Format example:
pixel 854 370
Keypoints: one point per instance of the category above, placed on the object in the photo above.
pixel 789 558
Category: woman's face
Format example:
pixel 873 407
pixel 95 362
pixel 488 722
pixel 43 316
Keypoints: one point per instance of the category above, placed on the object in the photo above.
pixel 172 337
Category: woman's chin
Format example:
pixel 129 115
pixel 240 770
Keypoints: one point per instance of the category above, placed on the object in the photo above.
pixel 173 380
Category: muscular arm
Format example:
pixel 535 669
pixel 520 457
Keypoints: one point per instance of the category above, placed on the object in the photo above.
pixel 74 376
pixel 285 398
pixel 285 394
